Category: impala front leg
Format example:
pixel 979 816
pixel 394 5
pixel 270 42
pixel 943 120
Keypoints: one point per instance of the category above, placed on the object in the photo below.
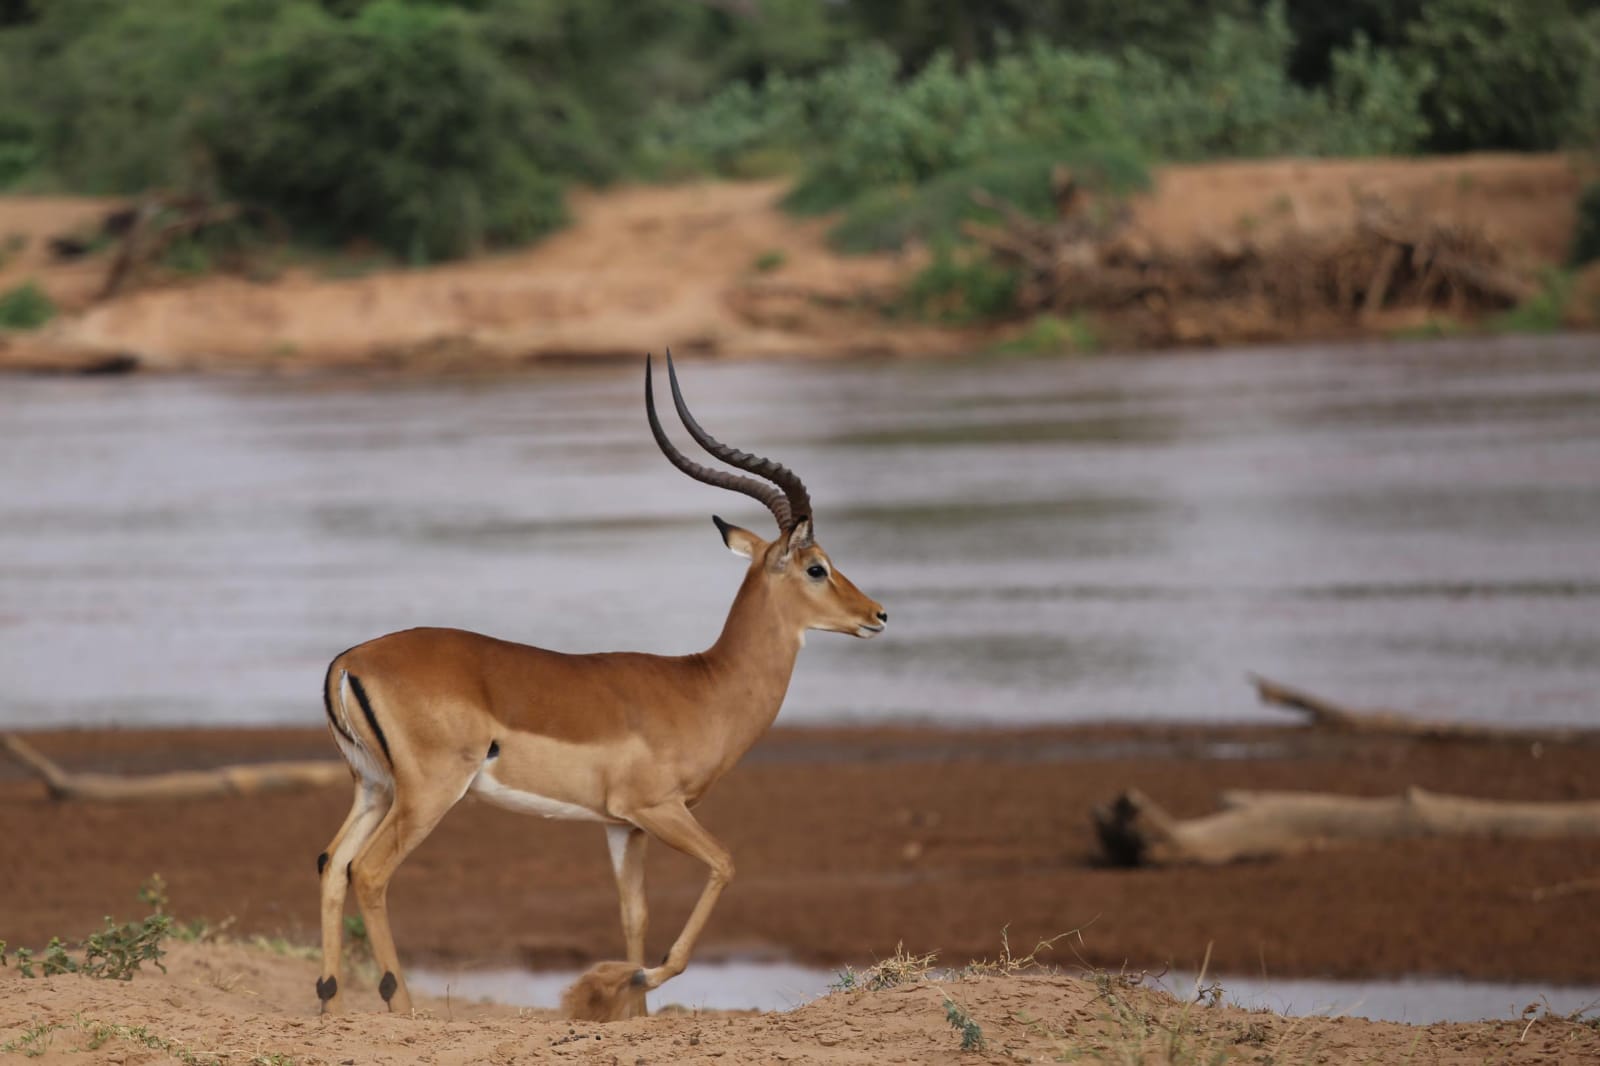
pixel 626 844
pixel 603 993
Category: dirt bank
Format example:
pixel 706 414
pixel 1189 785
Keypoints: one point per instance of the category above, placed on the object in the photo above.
pixel 851 841
pixel 241 1005
pixel 710 268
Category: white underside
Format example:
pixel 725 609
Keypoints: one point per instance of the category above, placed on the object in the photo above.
pixel 485 785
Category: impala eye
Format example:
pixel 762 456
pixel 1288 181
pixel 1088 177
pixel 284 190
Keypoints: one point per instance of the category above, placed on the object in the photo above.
pixel 817 570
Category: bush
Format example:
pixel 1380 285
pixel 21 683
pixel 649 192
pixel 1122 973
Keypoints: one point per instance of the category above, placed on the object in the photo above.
pixel 399 125
pixel 961 286
pixel 886 219
pixel 1586 233
pixel 115 89
pixel 26 307
pixel 1522 76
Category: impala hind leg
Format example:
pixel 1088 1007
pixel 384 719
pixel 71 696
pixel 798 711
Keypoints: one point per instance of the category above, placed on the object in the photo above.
pixel 333 867
pixel 602 994
pixel 627 846
pixel 407 823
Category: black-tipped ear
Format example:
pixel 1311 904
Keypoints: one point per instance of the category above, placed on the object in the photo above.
pixel 741 542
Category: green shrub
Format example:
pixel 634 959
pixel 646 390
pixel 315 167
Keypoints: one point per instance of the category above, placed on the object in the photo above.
pixel 1522 75
pixel 345 128
pixel 1543 312
pixel 1586 232
pixel 886 219
pixel 115 90
pixel 961 286
pixel 1049 334
pixel 26 307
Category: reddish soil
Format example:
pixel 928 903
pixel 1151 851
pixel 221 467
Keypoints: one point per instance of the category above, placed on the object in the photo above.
pixel 850 842
pixel 646 266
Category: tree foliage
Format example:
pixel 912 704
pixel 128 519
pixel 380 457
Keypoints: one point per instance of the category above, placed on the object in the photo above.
pixel 436 127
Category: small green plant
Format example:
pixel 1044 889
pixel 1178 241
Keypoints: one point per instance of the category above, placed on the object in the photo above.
pixel 116 952
pixel 26 307
pixel 768 261
pixel 101 1033
pixel 34 1041
pixel 56 960
pixel 1049 334
pixel 963 1023
pixel 1544 311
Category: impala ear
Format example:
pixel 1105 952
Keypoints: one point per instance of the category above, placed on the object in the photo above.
pixel 798 536
pixel 741 542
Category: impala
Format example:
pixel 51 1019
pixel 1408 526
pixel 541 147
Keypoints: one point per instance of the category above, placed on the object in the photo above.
pixel 629 740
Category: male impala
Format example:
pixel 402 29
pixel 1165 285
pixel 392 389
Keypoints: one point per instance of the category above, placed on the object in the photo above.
pixel 625 739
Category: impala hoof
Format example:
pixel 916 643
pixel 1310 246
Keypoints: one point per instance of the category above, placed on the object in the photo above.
pixel 609 992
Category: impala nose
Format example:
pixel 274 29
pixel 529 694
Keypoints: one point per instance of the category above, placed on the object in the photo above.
pixel 883 616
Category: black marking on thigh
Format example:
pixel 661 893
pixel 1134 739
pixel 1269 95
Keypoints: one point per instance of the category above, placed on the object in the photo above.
pixel 387 986
pixel 327 704
pixel 349 871
pixel 322 863
pixel 494 751
pixel 372 719
pixel 327 988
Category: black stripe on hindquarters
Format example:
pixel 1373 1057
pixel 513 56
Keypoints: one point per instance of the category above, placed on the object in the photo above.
pixel 494 751
pixel 372 719
pixel 327 703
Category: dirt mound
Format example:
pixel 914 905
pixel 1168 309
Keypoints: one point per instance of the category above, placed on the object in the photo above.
pixel 228 1003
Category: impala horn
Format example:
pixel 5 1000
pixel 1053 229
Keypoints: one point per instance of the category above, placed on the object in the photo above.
pixel 786 497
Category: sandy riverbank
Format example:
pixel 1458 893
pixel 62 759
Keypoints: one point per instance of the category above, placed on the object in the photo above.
pixel 644 267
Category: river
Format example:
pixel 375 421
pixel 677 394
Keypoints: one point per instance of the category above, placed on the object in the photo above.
pixel 1116 538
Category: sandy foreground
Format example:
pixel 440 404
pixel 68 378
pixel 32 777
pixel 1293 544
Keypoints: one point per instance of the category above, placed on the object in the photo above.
pixel 646 266
pixel 235 1004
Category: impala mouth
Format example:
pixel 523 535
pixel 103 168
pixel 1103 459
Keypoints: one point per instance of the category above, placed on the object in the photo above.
pixel 868 632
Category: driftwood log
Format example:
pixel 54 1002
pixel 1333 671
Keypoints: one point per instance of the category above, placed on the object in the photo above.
pixel 1326 714
pixel 1135 831
pixel 182 784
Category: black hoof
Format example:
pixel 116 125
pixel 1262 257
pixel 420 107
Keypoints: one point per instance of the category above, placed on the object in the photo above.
pixel 327 988
pixel 387 986
pixel 322 863
pixel 638 979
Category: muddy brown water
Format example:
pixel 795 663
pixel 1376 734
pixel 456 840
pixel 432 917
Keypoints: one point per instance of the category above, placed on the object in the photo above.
pixel 1121 538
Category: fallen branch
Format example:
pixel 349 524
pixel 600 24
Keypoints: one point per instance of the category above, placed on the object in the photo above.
pixel 246 780
pixel 1326 714
pixel 1135 831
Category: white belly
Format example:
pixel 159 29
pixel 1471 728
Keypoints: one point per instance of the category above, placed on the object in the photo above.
pixel 513 799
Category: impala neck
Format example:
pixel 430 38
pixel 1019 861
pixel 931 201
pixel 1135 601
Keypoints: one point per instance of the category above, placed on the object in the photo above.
pixel 752 661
